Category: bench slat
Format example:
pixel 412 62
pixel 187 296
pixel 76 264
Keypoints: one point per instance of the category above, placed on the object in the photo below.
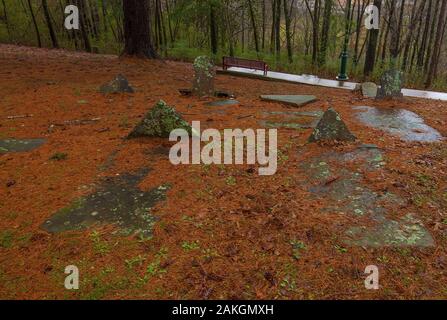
pixel 244 63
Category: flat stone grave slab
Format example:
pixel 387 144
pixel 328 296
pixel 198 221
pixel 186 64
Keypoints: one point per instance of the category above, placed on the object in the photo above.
pixel 369 89
pixel 20 145
pixel 337 178
pixel 293 100
pixel 117 200
pixel 222 103
pixel 291 119
pixel 405 124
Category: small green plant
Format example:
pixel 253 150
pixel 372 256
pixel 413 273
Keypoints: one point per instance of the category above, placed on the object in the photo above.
pixel 209 253
pixel 189 246
pixel 231 181
pixel 138 260
pixel 59 156
pixel 340 249
pixel 99 246
pixel 297 247
pixel 124 122
pixel 6 239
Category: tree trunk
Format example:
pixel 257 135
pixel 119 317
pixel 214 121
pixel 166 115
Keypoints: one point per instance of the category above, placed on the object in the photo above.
pixel 253 22
pixel 437 45
pixel 137 29
pixel 431 38
pixel 278 29
pixel 370 58
pixel 421 55
pixel 213 29
pixel 49 24
pixel 83 26
pixel 288 19
pixel 36 27
pixel 325 32
pixel 5 13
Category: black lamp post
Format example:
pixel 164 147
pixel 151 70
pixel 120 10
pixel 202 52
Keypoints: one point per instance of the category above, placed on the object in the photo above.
pixel 343 76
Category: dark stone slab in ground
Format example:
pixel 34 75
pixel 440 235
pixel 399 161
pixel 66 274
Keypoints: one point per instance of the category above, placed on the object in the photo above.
pixel 291 119
pixel 399 122
pixel 337 177
pixel 294 100
pixel 118 85
pixel 117 200
pixel 331 128
pixel 20 145
pixel 219 93
pixel 222 103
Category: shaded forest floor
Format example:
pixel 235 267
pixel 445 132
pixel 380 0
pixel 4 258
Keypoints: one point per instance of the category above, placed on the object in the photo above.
pixel 223 232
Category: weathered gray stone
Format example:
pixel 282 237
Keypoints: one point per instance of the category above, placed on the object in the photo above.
pixel 369 89
pixel 116 200
pixel 399 122
pixel 118 85
pixel 203 84
pixel 338 178
pixel 22 145
pixel 391 84
pixel 331 128
pixel 222 103
pixel 294 100
pixel 159 122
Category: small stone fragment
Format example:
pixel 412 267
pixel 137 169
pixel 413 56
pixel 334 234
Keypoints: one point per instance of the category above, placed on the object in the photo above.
pixel 118 85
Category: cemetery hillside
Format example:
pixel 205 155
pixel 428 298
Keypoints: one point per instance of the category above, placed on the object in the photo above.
pixel 223 150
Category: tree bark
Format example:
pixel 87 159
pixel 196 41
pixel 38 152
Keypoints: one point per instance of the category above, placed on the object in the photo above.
pixel 137 29
pixel 49 24
pixel 325 32
pixel 437 45
pixel 288 19
pixel 370 58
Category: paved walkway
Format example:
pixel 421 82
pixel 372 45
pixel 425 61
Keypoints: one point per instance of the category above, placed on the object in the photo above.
pixel 314 80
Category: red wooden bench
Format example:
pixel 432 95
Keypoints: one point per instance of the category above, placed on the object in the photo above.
pixel 244 63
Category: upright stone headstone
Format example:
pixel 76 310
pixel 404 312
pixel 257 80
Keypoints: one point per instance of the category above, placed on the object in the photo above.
pixel 391 84
pixel 159 122
pixel 369 89
pixel 331 128
pixel 203 84
pixel 118 85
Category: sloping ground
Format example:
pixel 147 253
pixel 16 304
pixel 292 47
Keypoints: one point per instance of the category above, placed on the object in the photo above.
pixel 221 231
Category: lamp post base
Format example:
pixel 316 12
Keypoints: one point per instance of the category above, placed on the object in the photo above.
pixel 342 77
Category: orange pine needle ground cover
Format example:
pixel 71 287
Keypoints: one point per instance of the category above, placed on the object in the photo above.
pixel 223 232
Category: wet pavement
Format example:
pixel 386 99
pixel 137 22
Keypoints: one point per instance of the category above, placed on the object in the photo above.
pixel 314 80
pixel 117 200
pixel 402 123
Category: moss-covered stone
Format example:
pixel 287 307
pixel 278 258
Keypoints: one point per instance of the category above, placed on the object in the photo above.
pixel 391 84
pixel 203 84
pixel 118 85
pixel 160 121
pixel 331 128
